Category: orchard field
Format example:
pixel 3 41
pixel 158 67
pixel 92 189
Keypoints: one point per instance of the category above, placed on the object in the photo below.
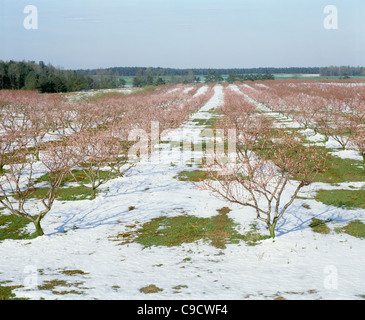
pixel 253 190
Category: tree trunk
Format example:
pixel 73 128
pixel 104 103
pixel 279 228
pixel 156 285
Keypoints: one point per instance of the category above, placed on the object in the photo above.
pixel 272 229
pixel 93 193
pixel 37 224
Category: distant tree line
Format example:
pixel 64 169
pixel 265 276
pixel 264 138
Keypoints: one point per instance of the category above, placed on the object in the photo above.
pixel 46 78
pixel 249 77
pixel 151 77
pixel 213 77
pixel 156 76
pixel 133 71
pixel 147 77
pixel 342 71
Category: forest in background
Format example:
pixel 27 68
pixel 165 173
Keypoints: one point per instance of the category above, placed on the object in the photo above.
pixel 133 71
pixel 338 71
pixel 47 78
pixel 31 75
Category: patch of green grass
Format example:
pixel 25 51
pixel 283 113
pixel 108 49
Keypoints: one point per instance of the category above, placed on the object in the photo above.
pixel 7 294
pixel 336 169
pixel 51 285
pixel 341 170
pixel 63 287
pixel 12 227
pixel 76 176
pixel 320 226
pixel 355 228
pixel 66 194
pixel 194 175
pixel 349 199
pixel 150 289
pixel 253 237
pixel 81 192
pixel 73 272
pixel 177 289
pixel 75 193
pixel 207 123
pixel 103 94
pixel 174 231
pixel 199 146
pixel 200 175
pixel 218 230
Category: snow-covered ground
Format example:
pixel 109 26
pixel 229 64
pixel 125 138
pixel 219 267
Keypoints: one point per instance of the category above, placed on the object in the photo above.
pixel 298 264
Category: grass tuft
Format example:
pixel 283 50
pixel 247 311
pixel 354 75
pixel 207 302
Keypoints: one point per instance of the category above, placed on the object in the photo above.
pixel 320 226
pixel 193 176
pixel 355 228
pixel 341 170
pixel 150 289
pixel 218 230
pixel 7 294
pixel 12 227
pixel 349 199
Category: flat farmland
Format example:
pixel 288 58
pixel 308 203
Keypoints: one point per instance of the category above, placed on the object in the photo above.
pixel 253 190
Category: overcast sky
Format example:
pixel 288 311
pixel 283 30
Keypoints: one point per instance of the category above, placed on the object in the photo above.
pixel 184 33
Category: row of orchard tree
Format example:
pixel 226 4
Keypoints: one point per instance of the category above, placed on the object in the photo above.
pixel 45 139
pixel 271 163
pixel 267 167
pixel 334 109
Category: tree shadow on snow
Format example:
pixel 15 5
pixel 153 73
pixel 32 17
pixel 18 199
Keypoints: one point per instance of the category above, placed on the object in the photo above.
pixel 298 217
